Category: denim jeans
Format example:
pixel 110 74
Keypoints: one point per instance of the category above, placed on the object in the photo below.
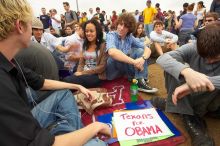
pixel 88 81
pixel 184 36
pixel 148 29
pixel 116 69
pixel 57 56
pixel 59 112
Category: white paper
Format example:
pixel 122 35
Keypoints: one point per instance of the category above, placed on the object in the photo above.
pixel 139 124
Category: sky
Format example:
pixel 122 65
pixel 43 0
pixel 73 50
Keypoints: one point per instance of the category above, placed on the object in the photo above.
pixel 110 5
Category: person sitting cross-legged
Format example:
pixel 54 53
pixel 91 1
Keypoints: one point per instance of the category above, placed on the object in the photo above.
pixel 192 80
pixel 127 55
pixel 163 41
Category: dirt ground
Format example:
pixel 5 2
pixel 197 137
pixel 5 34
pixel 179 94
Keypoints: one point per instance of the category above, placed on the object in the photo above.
pixel 157 80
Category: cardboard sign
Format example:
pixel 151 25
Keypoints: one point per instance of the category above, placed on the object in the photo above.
pixel 140 124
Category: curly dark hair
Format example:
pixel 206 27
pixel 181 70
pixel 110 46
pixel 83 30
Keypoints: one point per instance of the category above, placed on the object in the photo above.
pixel 136 33
pixel 99 34
pixel 208 44
pixel 129 22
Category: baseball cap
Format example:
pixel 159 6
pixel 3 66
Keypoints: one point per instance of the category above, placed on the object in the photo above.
pixel 36 23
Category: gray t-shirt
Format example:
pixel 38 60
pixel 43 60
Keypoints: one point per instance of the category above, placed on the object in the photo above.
pixel 40 60
pixel 187 56
pixel 70 16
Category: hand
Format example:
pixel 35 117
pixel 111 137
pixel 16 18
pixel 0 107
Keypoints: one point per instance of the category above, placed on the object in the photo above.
pixel 198 82
pixel 78 73
pixel 168 41
pixel 103 129
pixel 73 58
pixel 180 92
pixel 74 47
pixel 86 92
pixel 139 63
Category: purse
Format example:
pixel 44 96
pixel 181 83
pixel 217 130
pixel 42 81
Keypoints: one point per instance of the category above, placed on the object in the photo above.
pixel 101 99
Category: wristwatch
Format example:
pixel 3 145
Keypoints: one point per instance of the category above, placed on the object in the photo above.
pixel 144 57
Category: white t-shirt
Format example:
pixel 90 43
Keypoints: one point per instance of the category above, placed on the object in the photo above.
pixel 90 16
pixel 48 40
pixel 56 24
pixel 200 14
pixel 68 41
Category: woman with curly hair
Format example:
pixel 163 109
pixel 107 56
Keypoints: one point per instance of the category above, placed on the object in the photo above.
pixel 92 64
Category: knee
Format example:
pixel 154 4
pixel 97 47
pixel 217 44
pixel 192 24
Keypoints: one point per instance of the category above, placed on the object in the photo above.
pixel 157 45
pixel 137 52
pixel 64 93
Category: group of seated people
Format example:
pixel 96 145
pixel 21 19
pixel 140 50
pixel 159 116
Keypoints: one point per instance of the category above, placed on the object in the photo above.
pixel 38 110
pixel 90 59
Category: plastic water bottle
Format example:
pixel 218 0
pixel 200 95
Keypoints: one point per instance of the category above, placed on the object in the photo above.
pixel 134 90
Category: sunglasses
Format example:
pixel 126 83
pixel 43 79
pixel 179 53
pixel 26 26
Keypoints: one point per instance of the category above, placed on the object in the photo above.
pixel 208 20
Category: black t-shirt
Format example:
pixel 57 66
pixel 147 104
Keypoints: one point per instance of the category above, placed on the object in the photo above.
pixel 45 19
pixel 40 60
pixel 18 127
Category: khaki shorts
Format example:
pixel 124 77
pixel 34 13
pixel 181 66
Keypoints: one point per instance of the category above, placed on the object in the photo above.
pixel 154 52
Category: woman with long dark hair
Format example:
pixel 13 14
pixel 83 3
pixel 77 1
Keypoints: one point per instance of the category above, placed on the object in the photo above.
pixel 139 31
pixel 92 64
pixel 200 12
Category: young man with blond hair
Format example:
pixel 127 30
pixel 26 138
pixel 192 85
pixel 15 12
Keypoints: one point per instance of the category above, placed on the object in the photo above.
pixel 29 123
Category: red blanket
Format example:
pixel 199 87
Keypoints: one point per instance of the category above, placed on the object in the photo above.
pixel 120 90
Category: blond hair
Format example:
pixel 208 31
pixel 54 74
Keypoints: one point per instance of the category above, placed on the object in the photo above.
pixel 12 10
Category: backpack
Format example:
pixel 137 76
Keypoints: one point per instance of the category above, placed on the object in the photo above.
pixel 160 16
pixel 73 15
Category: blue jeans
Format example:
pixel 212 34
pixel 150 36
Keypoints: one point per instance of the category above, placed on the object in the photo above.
pixel 116 69
pixel 56 55
pixel 60 110
pixel 148 29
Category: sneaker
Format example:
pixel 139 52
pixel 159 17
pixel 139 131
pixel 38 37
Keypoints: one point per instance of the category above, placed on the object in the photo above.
pixel 159 102
pixel 130 80
pixel 144 87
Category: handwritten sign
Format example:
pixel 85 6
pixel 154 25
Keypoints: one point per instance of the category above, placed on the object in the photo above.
pixel 139 124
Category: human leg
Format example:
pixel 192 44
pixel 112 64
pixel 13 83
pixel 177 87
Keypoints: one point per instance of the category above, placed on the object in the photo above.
pixel 142 76
pixel 59 112
pixel 147 30
pixel 114 69
pixel 87 81
pixel 158 48
pixel 173 46
pixel 184 37
pixel 95 142
pixel 191 110
pixel 150 28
